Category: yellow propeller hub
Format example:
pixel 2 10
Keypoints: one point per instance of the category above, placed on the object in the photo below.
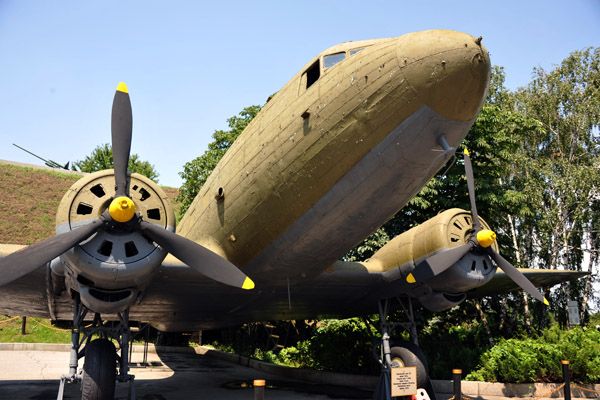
pixel 122 209
pixel 486 238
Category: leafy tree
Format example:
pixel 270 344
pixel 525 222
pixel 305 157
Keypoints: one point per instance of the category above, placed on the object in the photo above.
pixel 559 167
pixel 537 178
pixel 368 247
pixel 196 172
pixel 102 158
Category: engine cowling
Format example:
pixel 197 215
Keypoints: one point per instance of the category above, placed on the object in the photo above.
pixel 111 266
pixel 448 229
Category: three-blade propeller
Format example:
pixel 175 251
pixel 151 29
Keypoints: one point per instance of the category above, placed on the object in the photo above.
pixel 481 240
pixel 121 215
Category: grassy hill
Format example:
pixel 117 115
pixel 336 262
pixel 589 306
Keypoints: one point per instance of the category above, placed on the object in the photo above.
pixel 29 198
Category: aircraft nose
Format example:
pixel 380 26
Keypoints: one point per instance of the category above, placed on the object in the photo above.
pixel 448 70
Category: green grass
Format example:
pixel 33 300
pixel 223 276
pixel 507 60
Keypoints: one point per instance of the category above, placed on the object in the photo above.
pixel 29 199
pixel 38 330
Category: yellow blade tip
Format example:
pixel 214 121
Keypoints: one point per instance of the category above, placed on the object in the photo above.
pixel 546 302
pixel 410 278
pixel 122 87
pixel 248 284
pixel 466 152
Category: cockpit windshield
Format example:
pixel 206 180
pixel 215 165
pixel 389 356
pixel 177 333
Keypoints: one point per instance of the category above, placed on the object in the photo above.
pixel 332 59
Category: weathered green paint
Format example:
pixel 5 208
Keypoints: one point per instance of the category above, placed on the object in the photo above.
pixel 283 163
pixel 314 173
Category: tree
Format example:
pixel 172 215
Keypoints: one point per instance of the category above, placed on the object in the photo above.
pixel 196 172
pixel 102 158
pixel 560 168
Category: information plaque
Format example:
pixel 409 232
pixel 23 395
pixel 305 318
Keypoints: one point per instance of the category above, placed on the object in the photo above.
pixel 404 381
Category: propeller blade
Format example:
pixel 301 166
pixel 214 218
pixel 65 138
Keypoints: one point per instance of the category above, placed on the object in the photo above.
pixel 516 276
pixel 22 262
pixel 471 186
pixel 438 263
pixel 197 257
pixel 121 127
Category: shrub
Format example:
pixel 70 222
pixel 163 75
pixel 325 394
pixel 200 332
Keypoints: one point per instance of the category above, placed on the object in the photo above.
pixel 452 346
pixel 529 360
pixel 342 346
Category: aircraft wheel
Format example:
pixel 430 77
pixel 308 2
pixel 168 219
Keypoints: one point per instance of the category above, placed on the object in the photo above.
pixel 99 371
pixel 407 354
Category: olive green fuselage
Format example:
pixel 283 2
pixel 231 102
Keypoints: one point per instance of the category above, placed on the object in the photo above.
pixel 343 146
pixel 323 166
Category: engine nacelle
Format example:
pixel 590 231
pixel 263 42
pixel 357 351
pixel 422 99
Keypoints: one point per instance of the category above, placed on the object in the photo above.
pixel 111 267
pixel 440 301
pixel 448 229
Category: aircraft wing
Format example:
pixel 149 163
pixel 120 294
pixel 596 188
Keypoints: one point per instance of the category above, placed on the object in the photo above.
pixel 27 295
pixel 540 278
pixel 179 299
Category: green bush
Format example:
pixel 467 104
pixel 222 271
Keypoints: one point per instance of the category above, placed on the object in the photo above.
pixel 342 346
pixel 345 346
pixel 581 347
pixel 336 345
pixel 519 361
pixel 533 360
pixel 448 346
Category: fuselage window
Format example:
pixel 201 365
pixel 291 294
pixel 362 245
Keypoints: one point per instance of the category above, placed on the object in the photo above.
pixel 355 51
pixel 332 59
pixel 312 74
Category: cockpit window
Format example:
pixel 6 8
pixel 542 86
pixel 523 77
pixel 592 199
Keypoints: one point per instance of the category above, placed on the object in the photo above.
pixel 332 59
pixel 312 74
pixel 356 51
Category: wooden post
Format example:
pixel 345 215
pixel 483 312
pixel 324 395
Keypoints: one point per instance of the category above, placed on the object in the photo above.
pixel 23 326
pixel 457 375
pixel 567 389
pixel 259 389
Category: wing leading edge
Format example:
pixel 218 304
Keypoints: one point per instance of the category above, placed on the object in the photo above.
pixel 501 283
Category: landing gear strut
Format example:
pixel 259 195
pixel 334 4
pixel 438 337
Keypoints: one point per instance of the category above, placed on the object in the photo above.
pixel 401 354
pixel 101 357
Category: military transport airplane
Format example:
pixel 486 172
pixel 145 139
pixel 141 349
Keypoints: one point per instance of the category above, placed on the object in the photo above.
pixel 343 146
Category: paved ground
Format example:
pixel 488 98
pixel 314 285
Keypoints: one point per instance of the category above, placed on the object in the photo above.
pixel 32 372
pixel 34 375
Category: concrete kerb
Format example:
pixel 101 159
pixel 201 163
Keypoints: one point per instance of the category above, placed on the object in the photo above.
pixel 441 387
pixel 34 347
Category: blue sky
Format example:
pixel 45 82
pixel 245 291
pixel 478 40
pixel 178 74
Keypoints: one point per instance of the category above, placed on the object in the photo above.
pixel 191 65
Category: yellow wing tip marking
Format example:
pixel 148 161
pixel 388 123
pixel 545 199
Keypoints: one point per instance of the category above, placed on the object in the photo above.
pixel 546 302
pixel 410 278
pixel 248 284
pixel 122 87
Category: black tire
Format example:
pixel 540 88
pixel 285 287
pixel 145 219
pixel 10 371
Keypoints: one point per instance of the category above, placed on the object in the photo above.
pixel 99 371
pixel 407 354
